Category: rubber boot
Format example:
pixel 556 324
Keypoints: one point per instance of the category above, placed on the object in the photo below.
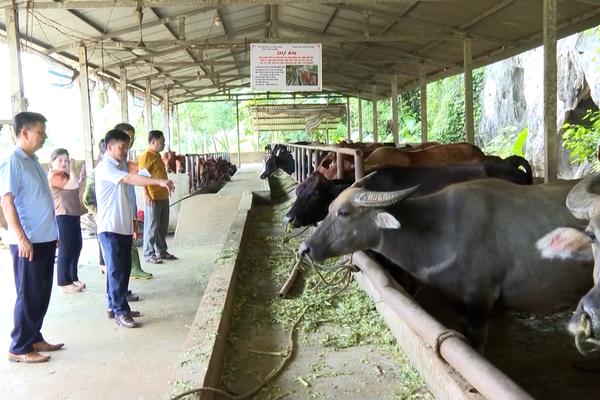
pixel 136 267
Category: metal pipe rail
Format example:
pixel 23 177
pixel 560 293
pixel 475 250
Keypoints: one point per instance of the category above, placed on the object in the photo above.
pixel 304 153
pixel 438 340
pixel 191 166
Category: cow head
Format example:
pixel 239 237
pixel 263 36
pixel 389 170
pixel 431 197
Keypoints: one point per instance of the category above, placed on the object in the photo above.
pixel 313 196
pixel 356 221
pixel 279 158
pixel 583 201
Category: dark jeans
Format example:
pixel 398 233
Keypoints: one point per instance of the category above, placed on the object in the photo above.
pixel 33 281
pixel 69 233
pixel 117 254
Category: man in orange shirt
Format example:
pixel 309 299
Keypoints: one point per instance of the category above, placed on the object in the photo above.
pixel 156 202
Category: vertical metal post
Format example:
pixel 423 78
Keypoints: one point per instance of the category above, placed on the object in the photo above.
pixel 86 110
pixel 237 124
pixel 297 164
pixel 468 60
pixel 348 117
pixel 166 118
pixel 123 94
pixel 309 157
pixel 339 164
pixel 359 168
pixel 148 105
pixel 177 126
pixel 302 164
pixel 17 93
pixel 423 84
pixel 374 106
pixel 550 97
pixel 394 94
pixel 360 125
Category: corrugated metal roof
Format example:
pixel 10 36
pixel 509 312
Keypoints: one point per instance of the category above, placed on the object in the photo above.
pixel 498 29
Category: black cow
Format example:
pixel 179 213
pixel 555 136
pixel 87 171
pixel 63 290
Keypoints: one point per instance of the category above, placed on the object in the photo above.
pixel 474 241
pixel 280 158
pixel 314 194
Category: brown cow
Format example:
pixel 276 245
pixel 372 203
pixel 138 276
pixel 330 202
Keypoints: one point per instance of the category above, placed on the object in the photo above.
pixel 455 153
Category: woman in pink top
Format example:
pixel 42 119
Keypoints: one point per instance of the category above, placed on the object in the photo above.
pixel 65 186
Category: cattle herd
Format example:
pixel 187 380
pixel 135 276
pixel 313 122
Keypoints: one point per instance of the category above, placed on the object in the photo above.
pixel 207 173
pixel 474 227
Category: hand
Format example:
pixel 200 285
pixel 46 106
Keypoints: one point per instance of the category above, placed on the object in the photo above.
pixel 25 249
pixel 137 235
pixel 167 184
pixel 147 200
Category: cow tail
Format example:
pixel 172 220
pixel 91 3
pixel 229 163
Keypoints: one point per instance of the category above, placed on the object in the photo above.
pixel 518 161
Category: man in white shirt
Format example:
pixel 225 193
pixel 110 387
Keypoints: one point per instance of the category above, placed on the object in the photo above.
pixel 114 220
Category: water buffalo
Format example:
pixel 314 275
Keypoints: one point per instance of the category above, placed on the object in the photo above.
pixel 314 194
pixel 473 241
pixel 571 242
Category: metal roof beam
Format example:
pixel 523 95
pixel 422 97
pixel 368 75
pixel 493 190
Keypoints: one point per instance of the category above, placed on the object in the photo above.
pixel 80 4
pixel 134 28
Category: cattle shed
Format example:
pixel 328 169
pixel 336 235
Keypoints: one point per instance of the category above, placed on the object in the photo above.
pixel 179 51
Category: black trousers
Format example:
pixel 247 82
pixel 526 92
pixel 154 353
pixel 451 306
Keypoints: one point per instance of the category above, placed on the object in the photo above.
pixel 33 281
pixel 69 233
pixel 117 254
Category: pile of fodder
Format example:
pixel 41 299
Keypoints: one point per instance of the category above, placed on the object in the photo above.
pixel 261 321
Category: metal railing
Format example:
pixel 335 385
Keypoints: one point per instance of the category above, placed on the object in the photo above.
pixel 191 166
pixel 305 154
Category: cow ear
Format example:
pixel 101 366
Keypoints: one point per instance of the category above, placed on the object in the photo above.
pixel 566 244
pixel 385 220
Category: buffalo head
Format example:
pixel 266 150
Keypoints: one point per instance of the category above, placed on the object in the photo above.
pixel 313 196
pixel 583 202
pixel 356 221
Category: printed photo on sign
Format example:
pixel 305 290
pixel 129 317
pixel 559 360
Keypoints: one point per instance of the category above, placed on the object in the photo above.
pixel 302 75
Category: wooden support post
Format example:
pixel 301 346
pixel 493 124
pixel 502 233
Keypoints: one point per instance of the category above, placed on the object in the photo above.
pixel 468 60
pixel 550 97
pixel 423 83
pixel 123 94
pixel 394 94
pixel 348 117
pixel 17 94
pixel 86 109
pixel 374 106
pixel 167 119
pixel 360 125
pixel 237 124
pixel 148 105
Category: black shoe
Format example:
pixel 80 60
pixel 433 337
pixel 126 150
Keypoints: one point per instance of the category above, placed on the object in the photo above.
pixel 168 256
pixel 111 314
pixel 126 321
pixel 132 297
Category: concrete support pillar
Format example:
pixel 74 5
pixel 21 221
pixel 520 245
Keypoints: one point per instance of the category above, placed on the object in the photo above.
pixel 423 85
pixel 178 129
pixel 148 105
pixel 374 106
pixel 123 86
pixel 86 109
pixel 360 120
pixel 468 61
pixel 551 139
pixel 349 121
pixel 17 94
pixel 237 120
pixel 394 95
pixel 167 118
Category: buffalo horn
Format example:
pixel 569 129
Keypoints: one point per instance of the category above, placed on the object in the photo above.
pixel 361 182
pixel 368 198
pixel 582 197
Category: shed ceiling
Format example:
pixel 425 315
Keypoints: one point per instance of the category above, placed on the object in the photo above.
pixel 200 48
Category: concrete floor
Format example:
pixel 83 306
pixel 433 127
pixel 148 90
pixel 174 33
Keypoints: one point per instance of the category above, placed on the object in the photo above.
pixel 101 360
